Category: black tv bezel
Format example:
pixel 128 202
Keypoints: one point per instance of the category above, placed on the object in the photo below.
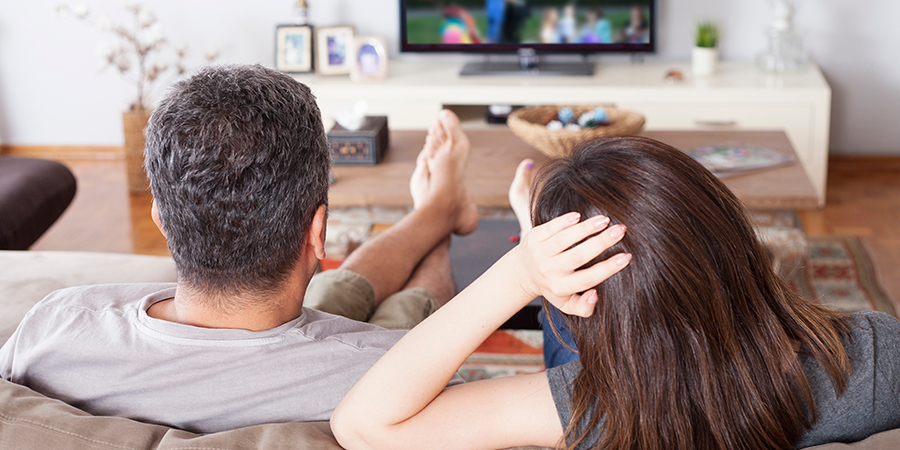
pixel 572 48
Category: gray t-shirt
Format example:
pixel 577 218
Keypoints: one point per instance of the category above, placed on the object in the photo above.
pixel 869 405
pixel 96 348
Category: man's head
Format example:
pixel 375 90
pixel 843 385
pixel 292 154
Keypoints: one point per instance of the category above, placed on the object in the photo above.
pixel 238 165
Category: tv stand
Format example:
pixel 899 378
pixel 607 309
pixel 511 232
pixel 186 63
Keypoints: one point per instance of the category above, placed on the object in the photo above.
pixel 529 63
pixel 737 97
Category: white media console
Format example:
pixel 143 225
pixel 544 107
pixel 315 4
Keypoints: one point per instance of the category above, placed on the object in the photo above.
pixel 738 97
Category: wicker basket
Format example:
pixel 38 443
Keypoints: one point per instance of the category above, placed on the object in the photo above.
pixel 530 125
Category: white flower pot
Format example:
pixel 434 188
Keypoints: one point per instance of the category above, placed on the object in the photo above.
pixel 704 60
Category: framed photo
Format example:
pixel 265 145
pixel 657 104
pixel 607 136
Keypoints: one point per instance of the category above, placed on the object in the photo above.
pixel 334 50
pixel 371 59
pixel 294 48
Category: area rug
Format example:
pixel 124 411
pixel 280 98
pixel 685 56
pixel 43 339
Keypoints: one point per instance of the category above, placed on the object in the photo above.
pixel 838 273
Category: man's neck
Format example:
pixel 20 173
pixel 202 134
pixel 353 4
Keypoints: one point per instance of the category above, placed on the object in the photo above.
pixel 247 311
pixel 199 312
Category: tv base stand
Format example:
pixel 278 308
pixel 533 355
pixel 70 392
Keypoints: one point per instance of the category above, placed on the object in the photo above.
pixel 528 64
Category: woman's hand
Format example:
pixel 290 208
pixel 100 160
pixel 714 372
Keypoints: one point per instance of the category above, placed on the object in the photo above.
pixel 548 259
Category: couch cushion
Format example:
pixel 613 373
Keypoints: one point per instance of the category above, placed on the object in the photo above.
pixel 26 277
pixel 886 440
pixel 31 420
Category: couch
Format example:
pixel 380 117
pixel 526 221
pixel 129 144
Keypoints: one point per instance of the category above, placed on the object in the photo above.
pixel 33 194
pixel 29 420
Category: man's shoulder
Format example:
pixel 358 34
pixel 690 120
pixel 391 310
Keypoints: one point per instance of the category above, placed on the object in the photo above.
pixel 322 326
pixel 101 297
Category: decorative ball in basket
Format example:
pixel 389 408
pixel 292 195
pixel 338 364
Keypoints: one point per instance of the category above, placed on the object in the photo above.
pixel 554 130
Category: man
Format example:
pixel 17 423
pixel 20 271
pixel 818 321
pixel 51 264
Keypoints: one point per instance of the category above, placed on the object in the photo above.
pixel 238 163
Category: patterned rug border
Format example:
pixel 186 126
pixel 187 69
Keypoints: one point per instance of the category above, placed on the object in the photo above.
pixel 863 267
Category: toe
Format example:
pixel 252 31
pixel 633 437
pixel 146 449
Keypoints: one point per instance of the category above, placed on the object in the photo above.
pixel 524 172
pixel 449 118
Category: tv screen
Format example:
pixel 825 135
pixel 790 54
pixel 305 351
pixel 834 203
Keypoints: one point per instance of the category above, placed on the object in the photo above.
pixel 547 26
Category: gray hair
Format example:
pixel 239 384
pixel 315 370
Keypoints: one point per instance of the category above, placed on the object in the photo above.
pixel 238 163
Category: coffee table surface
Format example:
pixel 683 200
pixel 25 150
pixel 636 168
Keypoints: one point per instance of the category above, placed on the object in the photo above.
pixel 496 153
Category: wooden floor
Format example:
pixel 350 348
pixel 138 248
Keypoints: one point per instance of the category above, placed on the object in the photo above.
pixel 863 199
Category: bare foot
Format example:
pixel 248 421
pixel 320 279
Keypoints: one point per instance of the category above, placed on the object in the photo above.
pixel 438 176
pixel 421 176
pixel 453 131
pixel 520 194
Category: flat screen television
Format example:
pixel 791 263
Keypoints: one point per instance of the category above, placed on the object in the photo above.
pixel 529 28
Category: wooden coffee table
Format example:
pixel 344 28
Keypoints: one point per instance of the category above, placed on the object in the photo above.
pixel 496 153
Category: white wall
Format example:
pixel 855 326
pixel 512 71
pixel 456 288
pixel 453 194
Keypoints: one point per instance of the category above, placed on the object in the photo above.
pixel 52 94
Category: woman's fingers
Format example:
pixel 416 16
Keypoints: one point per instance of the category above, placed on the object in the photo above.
pixel 586 251
pixel 566 230
pixel 598 273
pixel 585 280
pixel 552 270
pixel 581 305
pixel 552 228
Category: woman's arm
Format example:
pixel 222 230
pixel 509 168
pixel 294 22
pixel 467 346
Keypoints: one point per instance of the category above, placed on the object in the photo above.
pixel 401 402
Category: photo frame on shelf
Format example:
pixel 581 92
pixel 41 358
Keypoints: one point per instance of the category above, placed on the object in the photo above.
pixel 294 48
pixel 370 59
pixel 335 50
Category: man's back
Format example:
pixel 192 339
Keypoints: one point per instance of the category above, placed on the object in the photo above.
pixel 97 349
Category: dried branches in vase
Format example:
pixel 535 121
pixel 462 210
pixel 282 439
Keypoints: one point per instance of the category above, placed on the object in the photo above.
pixel 137 50
pixel 137 53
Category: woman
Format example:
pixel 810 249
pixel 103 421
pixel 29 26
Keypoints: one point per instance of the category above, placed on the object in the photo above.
pixel 696 344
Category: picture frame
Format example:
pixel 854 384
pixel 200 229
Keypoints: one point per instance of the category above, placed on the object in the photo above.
pixel 294 48
pixel 334 50
pixel 370 61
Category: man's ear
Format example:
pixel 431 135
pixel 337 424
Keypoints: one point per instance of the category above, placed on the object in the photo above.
pixel 315 236
pixel 154 214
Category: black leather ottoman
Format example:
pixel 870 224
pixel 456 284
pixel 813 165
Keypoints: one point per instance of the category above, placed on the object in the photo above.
pixel 33 194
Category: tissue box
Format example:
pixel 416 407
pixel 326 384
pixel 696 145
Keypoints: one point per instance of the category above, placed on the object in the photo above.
pixel 363 146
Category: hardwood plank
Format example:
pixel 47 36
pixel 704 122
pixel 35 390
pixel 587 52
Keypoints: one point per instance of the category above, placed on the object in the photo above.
pixel 63 151
pixel 103 217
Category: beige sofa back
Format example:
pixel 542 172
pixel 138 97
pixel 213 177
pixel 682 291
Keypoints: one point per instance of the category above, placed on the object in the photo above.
pixel 29 420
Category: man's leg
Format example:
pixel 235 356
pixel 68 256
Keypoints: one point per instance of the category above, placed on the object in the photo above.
pixel 442 206
pixel 435 274
pixel 430 287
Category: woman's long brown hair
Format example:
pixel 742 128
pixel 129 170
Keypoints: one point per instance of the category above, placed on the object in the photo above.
pixel 695 344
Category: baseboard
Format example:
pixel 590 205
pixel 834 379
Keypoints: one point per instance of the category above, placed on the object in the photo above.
pixel 864 162
pixel 64 151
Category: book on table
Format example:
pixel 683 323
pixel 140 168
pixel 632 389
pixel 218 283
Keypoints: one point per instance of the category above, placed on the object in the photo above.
pixel 731 157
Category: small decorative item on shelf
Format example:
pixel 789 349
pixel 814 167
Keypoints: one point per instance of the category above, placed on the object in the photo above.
pixel 673 76
pixel 136 55
pixel 294 48
pixel 705 53
pixel 301 12
pixel 371 59
pixel 334 50
pixel 533 125
pixel 784 53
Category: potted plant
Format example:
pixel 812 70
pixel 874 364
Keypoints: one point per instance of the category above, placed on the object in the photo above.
pixel 135 53
pixel 706 52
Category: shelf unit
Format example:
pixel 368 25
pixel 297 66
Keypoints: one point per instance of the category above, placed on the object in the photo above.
pixel 737 97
